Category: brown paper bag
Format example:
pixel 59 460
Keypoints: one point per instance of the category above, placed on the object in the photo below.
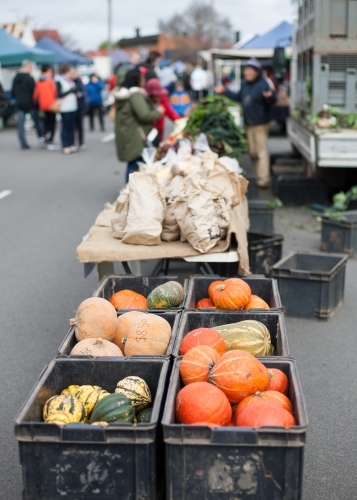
pixel 170 227
pixel 221 182
pixel 146 210
pixel 196 215
pixel 223 210
pixel 121 214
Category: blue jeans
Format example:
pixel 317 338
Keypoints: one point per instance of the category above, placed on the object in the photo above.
pixel 21 125
pixel 132 167
pixel 68 125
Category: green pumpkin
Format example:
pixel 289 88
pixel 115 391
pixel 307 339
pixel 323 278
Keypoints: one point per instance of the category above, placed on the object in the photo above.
pixel 144 417
pixel 137 390
pixel 170 294
pixel 113 408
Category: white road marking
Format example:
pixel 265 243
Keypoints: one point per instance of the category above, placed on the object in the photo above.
pixel 5 193
pixel 108 138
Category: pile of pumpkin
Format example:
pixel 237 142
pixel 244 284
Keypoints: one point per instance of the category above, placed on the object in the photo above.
pixel 164 296
pixel 232 389
pixel 99 332
pixel 234 294
pixel 93 405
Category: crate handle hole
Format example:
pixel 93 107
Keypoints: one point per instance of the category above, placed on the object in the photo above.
pixel 268 474
pixel 200 472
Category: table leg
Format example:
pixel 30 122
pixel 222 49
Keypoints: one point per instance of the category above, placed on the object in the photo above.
pixel 135 266
pixel 105 268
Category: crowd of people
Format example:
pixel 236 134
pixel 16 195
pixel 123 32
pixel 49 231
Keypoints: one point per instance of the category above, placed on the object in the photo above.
pixel 144 97
pixel 64 93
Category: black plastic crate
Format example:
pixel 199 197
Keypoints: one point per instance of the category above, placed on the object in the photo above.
pixel 339 234
pixel 226 463
pixel 266 288
pixel 173 318
pixel 298 190
pixel 274 322
pixel 139 284
pixel 264 250
pixel 312 285
pixel 261 217
pixel 82 462
pixel 253 189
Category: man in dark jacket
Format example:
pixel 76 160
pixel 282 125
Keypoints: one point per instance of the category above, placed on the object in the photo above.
pixel 256 97
pixel 148 68
pixel 22 90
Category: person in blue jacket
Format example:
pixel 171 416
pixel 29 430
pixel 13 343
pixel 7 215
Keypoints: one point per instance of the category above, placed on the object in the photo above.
pixel 95 100
pixel 256 97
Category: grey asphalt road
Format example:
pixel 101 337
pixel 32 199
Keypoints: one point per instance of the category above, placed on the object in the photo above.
pixel 54 202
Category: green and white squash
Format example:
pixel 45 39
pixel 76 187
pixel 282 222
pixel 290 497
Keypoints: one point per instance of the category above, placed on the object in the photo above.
pixel 250 335
pixel 137 390
pixel 113 408
pixel 167 295
pixel 65 403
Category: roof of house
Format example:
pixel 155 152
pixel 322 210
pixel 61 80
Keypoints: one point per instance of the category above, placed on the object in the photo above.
pixel 280 36
pixel 138 40
pixel 15 29
pixel 52 34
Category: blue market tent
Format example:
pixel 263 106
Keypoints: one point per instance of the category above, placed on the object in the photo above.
pixel 280 36
pixel 13 52
pixel 62 55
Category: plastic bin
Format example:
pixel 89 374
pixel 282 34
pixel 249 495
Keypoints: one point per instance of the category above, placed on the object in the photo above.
pixel 231 463
pixel 140 284
pixel 261 218
pixel 172 317
pixel 273 321
pixel 80 461
pixel 266 288
pixel 339 235
pixel 312 285
pixel 298 190
pixel 265 250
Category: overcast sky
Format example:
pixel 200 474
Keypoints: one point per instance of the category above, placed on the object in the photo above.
pixel 86 20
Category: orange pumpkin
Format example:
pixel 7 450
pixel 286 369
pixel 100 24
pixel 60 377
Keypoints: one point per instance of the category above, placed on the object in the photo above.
pixel 127 299
pixel 262 414
pixel 148 335
pixel 96 347
pixel 278 381
pixel 239 374
pixel 202 402
pixel 197 364
pixel 233 294
pixel 203 336
pixel 274 397
pixel 124 321
pixel 95 318
pixel 256 303
pixel 205 304
pixel 212 288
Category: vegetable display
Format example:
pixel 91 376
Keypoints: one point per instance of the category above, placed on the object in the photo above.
pixel 213 118
pixel 94 405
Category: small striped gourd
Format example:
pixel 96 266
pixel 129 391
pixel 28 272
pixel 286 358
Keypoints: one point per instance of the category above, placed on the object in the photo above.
pixel 137 390
pixel 89 395
pixel 113 408
pixel 250 335
pixel 72 389
pixel 59 418
pixel 65 403
pixel 170 294
pixel 144 416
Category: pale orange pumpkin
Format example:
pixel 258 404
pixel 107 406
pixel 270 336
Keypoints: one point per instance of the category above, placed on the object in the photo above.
pixel 197 364
pixel 127 299
pixel 233 294
pixel 148 334
pixel 96 347
pixel 95 318
pixel 124 321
